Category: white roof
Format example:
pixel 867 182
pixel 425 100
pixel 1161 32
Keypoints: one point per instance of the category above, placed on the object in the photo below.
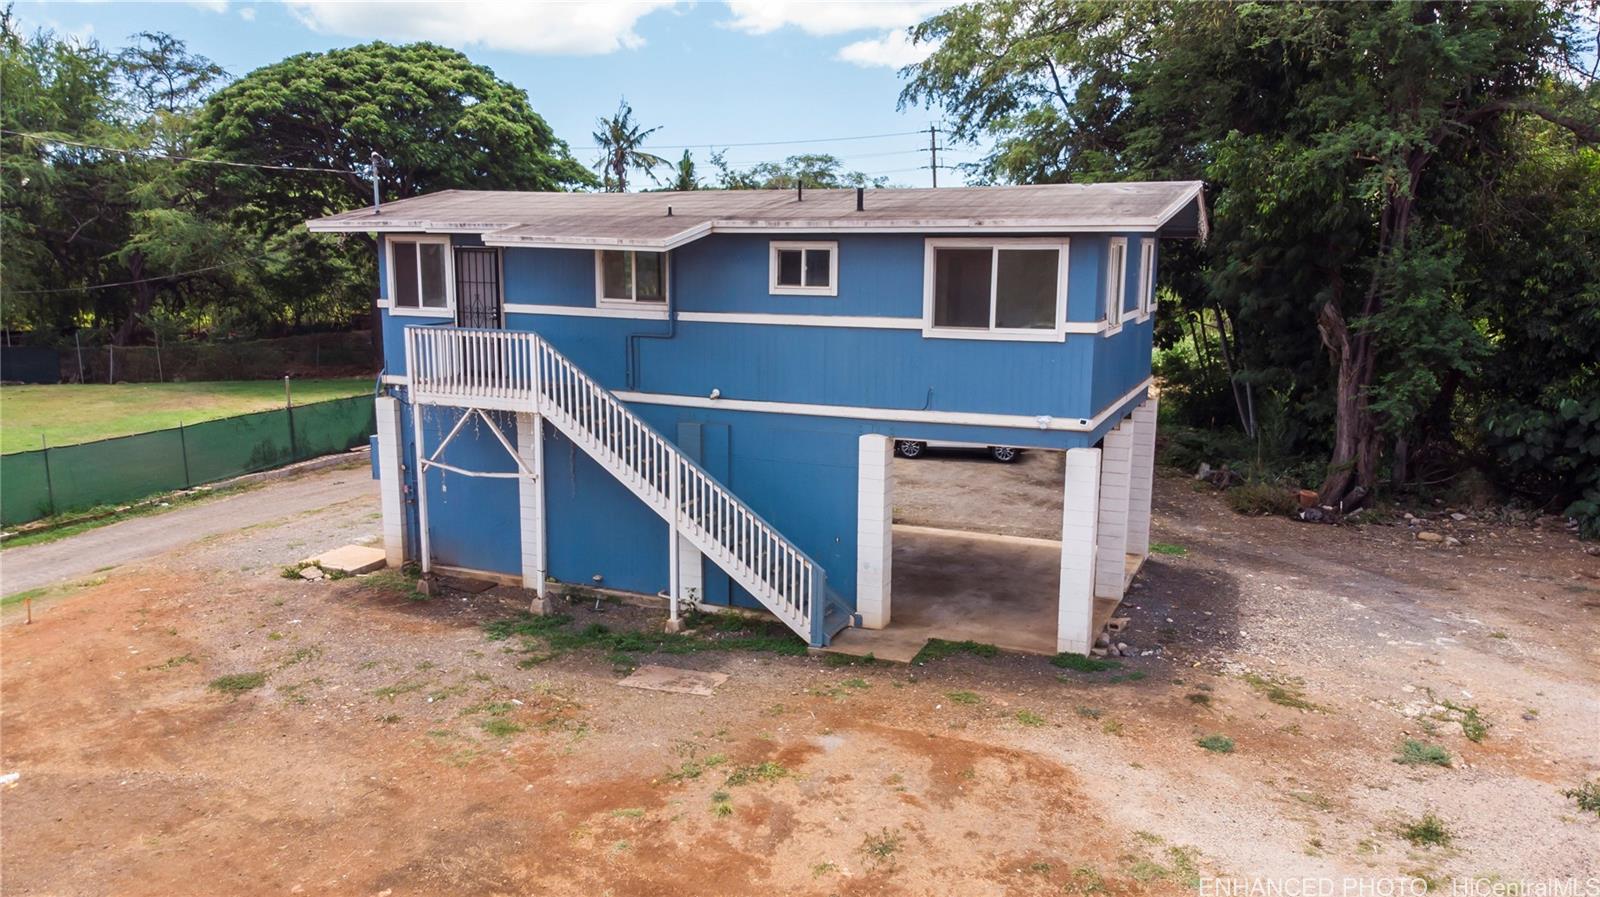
pixel 668 219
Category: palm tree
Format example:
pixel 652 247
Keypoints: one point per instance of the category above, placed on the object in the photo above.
pixel 684 176
pixel 621 139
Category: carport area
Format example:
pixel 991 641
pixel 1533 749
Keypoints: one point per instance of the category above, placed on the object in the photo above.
pixel 1033 556
pixel 976 554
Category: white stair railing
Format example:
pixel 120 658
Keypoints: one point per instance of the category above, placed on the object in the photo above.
pixel 519 371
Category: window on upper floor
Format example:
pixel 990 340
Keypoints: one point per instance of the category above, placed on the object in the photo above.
pixel 420 281
pixel 626 275
pixel 1116 282
pixel 1007 289
pixel 1147 278
pixel 804 269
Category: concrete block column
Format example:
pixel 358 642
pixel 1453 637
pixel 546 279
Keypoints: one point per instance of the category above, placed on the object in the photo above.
pixel 1080 516
pixel 1116 481
pixel 391 486
pixel 874 536
pixel 530 501
pixel 1142 487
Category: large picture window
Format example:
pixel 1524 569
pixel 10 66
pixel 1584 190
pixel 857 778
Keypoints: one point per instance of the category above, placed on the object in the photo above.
pixel 804 269
pixel 1009 289
pixel 420 276
pixel 629 276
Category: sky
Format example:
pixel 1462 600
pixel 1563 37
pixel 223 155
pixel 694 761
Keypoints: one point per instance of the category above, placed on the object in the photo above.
pixel 719 73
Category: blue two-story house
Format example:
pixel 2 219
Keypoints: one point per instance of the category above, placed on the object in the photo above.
pixel 697 394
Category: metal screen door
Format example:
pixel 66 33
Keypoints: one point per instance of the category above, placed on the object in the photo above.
pixel 478 288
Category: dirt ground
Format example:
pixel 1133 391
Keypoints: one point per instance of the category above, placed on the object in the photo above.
pixel 395 748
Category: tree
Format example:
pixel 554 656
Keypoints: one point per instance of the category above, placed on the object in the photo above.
pixel 684 176
pixel 621 141
pixel 815 170
pixel 1338 141
pixel 163 76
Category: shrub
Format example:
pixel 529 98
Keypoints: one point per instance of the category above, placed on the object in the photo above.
pixel 1216 744
pixel 1429 831
pixel 1587 795
pixel 1417 753
pixel 1262 498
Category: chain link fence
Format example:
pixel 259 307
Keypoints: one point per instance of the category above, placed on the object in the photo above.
pixel 125 468
pixel 310 355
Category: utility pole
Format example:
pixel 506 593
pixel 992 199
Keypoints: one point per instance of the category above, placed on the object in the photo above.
pixel 933 154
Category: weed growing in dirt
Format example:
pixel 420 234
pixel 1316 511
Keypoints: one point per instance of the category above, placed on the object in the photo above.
pixel 1587 795
pixel 1198 697
pixel 847 660
pixel 882 847
pixel 939 649
pixel 1418 753
pixel 1216 744
pixel 963 697
pixel 1029 718
pixel 695 767
pixel 238 683
pixel 1090 712
pixel 547 637
pixel 856 683
pixel 1081 664
pixel 1179 866
pixel 765 771
pixel 1086 881
pixel 173 662
pixel 500 727
pixel 389 719
pixel 1473 724
pixel 400 583
pixel 1429 831
pixel 627 813
pixel 390 692
pixel 1167 548
pixel 1112 727
pixel 1284 694
pixel 822 869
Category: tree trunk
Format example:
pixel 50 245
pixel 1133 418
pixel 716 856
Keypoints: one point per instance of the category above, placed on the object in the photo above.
pixel 144 299
pixel 1355 441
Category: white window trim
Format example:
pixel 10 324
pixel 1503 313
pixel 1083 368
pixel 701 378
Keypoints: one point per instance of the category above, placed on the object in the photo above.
pixel 1147 283
pixel 601 300
pixel 776 289
pixel 1116 286
pixel 449 310
pixel 1057 333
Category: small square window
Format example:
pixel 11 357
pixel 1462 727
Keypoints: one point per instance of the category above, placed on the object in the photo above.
pixel 629 276
pixel 420 275
pixel 804 269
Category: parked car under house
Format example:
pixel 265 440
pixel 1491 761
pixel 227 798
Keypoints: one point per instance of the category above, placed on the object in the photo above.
pixel 698 393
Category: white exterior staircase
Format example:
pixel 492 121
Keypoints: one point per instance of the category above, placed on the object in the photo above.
pixel 519 371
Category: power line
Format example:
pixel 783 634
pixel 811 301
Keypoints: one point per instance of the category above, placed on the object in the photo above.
pixel 129 283
pixel 712 146
pixel 45 138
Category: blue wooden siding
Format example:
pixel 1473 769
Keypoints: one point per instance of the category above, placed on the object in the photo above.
pixel 799 472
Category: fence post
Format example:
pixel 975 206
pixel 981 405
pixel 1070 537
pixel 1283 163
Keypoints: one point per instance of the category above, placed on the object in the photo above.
pixel 183 446
pixel 49 487
pixel 111 366
pixel 288 413
pixel 79 344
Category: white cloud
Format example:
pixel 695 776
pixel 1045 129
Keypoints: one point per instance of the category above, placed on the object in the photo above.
pixel 825 18
pixel 894 49
pixel 210 5
pixel 557 27
pixel 248 13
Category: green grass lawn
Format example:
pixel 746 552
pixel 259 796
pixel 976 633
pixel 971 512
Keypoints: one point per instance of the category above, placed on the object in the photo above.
pixel 70 413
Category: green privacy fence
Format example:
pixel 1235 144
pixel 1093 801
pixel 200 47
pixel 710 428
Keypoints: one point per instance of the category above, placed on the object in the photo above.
pixel 74 477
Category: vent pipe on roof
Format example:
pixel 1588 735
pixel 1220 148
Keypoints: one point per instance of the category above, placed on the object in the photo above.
pixel 861 200
pixel 669 211
pixel 800 191
pixel 376 202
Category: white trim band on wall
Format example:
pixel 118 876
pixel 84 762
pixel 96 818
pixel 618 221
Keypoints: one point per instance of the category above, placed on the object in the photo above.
pixel 961 418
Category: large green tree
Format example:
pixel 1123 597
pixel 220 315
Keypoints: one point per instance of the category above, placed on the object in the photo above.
pixel 1345 147
pixel 436 119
